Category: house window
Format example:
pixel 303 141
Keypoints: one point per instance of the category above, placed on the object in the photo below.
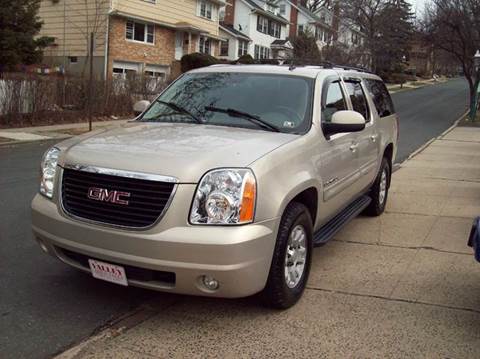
pixel 137 31
pixel 205 9
pixel 224 48
pixel 269 27
pixel 204 45
pixel 274 29
pixel 155 77
pixel 261 52
pixel 262 24
pixel 73 59
pixel 283 9
pixel 300 29
pixel 120 72
pixel 242 48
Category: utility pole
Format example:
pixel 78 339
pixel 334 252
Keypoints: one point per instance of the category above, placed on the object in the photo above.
pixel 474 99
pixel 90 82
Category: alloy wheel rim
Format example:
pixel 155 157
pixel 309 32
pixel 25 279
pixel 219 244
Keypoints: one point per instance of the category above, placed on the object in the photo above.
pixel 382 193
pixel 296 256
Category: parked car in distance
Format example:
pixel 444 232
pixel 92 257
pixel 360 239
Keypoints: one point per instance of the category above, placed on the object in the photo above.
pixel 222 185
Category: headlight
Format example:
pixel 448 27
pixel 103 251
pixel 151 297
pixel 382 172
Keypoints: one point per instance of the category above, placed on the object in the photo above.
pixel 49 168
pixel 225 196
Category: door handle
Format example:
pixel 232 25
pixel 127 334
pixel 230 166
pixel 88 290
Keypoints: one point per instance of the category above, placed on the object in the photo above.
pixel 374 138
pixel 353 147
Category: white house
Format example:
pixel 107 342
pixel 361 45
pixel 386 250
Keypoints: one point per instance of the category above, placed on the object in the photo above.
pixel 327 27
pixel 259 21
pixel 303 20
pixel 236 44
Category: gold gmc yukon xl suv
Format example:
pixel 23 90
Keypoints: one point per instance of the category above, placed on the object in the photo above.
pixel 223 185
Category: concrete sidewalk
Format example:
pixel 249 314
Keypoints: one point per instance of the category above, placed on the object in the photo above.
pixel 404 284
pixel 414 85
pixel 58 132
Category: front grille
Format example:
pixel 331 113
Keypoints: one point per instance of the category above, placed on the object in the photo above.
pixel 133 273
pixel 146 202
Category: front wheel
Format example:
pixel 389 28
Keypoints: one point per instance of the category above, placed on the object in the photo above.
pixel 379 190
pixel 291 260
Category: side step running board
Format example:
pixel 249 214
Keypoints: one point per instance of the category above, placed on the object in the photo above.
pixel 324 234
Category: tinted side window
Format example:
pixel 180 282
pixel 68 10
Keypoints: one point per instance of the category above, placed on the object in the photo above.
pixel 334 101
pixel 381 97
pixel 358 98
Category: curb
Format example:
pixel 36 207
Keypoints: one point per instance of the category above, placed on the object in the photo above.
pixel 114 328
pixel 428 143
pixel 455 124
pixel 14 143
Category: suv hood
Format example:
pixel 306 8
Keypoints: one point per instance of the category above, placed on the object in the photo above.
pixel 184 151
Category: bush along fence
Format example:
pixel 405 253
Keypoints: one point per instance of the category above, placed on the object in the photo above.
pixel 31 100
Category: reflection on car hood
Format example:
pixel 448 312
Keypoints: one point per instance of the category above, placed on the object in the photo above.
pixel 184 151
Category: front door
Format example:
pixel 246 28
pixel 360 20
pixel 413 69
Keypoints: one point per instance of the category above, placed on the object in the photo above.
pixel 178 45
pixel 339 156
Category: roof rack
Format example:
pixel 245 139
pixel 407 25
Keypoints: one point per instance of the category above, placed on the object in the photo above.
pixel 292 65
pixel 327 65
pixel 354 68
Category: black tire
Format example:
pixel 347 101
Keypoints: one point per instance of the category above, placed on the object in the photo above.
pixel 277 294
pixel 377 207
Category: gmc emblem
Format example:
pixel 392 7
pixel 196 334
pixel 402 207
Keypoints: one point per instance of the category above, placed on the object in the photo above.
pixel 105 195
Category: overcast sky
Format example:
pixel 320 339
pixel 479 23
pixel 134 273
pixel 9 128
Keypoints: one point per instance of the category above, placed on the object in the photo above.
pixel 418 5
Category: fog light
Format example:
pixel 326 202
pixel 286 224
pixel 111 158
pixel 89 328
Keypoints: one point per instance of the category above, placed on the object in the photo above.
pixel 42 245
pixel 210 283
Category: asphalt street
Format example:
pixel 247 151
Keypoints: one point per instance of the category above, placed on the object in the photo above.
pixel 46 306
pixel 426 112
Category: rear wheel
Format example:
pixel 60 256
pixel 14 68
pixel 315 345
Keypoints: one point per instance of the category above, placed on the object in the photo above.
pixel 291 258
pixel 379 190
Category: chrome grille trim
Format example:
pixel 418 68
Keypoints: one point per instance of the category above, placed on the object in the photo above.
pixel 119 173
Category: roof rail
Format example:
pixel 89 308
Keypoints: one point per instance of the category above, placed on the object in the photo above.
pixel 354 68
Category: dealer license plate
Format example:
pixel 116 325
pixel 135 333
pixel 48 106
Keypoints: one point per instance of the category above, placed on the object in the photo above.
pixel 108 272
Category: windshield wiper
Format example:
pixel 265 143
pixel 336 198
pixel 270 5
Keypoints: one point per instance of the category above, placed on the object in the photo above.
pixel 236 113
pixel 180 109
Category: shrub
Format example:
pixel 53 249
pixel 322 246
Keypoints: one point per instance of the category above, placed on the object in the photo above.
pixel 197 60
pixel 32 100
pixel 246 59
pixel 397 78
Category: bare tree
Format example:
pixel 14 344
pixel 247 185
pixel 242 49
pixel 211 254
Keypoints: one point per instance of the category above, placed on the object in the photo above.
pixel 453 26
pixel 386 26
pixel 89 18
pixel 314 5
pixel 305 49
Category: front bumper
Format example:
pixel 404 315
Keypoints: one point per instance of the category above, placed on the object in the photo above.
pixel 239 257
pixel 474 239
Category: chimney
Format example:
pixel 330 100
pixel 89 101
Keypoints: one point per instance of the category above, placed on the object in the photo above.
pixel 230 13
pixel 293 20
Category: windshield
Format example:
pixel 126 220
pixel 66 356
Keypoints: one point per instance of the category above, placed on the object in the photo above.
pixel 264 102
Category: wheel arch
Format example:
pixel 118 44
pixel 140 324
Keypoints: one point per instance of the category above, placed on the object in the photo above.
pixel 306 195
pixel 388 153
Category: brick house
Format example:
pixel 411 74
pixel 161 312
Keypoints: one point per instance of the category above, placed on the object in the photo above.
pixel 130 36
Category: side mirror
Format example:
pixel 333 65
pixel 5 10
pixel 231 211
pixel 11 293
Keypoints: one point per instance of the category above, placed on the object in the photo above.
pixel 344 121
pixel 140 107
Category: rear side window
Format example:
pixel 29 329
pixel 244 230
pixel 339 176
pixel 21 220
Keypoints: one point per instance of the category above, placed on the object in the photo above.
pixel 334 101
pixel 381 97
pixel 358 98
